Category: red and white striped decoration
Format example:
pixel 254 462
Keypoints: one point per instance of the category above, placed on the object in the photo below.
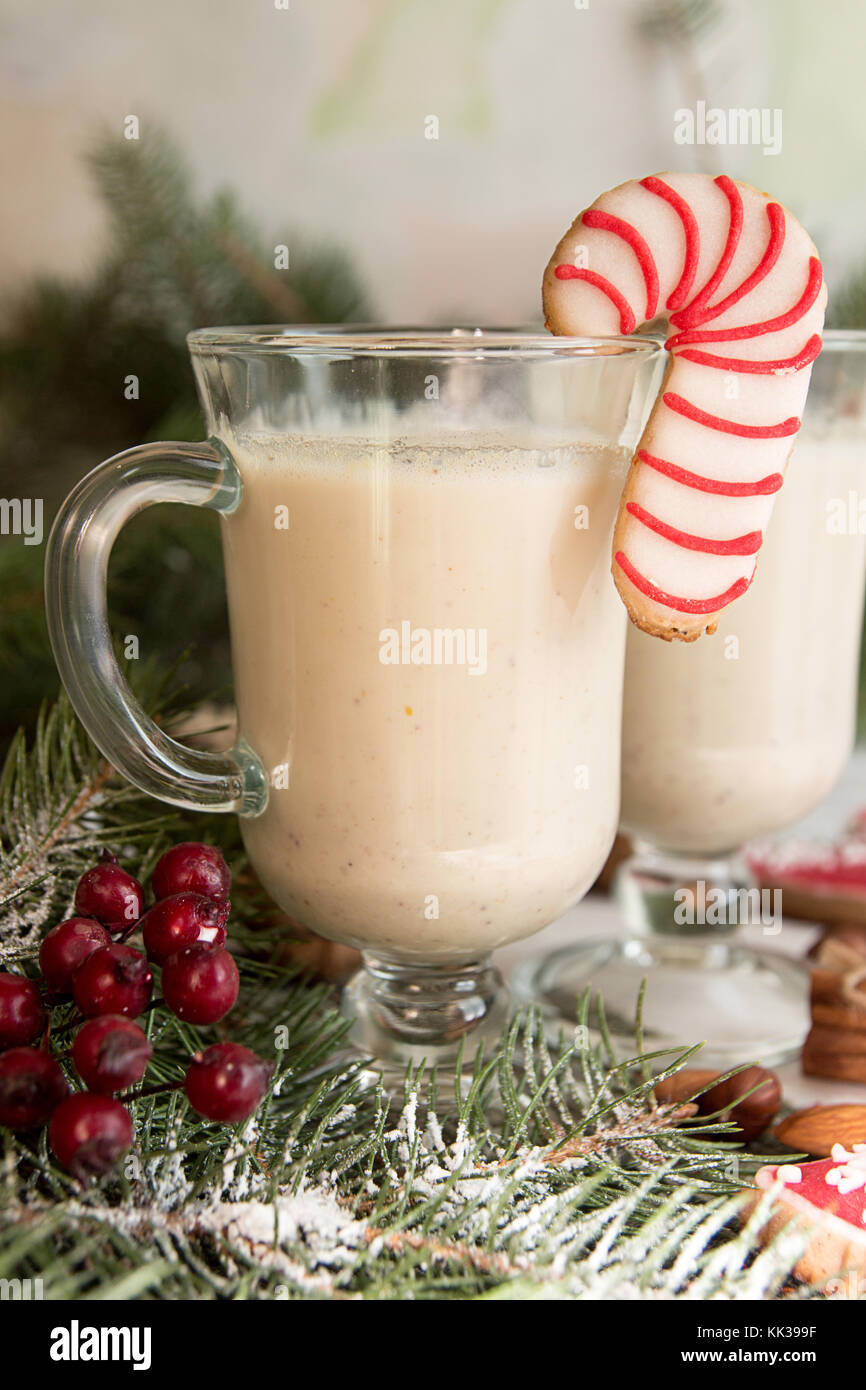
pixel 740 283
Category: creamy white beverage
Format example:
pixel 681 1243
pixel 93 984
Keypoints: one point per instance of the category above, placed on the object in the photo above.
pixel 428 647
pixel 744 732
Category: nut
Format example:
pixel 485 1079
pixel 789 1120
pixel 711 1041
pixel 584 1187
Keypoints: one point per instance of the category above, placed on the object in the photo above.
pixel 682 1085
pixel 751 1115
pixel 816 1130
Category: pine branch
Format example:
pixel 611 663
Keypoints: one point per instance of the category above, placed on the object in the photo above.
pixel 61 804
pixel 681 21
pixel 847 304
pixel 196 263
pixel 173 261
pixel 682 29
pixel 559 1175
pixel 288 305
pixel 443 1222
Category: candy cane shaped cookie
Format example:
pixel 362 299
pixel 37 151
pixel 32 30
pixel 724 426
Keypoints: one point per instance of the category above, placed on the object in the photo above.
pixel 740 283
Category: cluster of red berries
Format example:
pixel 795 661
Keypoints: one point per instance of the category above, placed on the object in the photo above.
pixel 87 957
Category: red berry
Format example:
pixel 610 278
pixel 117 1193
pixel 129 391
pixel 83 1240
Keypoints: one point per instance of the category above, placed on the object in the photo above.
pixel 113 980
pixel 200 983
pixel 192 868
pixel 182 920
pixel 22 1016
pixel 110 1053
pixel 66 946
pixel 226 1082
pixel 111 895
pixel 88 1134
pixel 31 1085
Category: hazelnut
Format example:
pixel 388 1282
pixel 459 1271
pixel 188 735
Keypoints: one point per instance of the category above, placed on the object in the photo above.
pixel 752 1115
pixel 682 1085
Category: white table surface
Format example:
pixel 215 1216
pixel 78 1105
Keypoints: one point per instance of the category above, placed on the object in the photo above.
pixel 599 915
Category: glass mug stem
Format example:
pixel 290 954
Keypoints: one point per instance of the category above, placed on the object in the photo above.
pixel 682 896
pixel 76 568
pixel 425 1013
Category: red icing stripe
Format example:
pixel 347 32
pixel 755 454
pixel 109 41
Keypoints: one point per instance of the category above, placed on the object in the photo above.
pixel 831 868
pixel 754 330
pixel 825 1197
pixel 679 294
pixel 749 544
pixel 681 605
pixel 606 222
pixel 716 422
pixel 796 363
pixel 763 487
pixel 627 320
pixel 691 318
pixel 735 227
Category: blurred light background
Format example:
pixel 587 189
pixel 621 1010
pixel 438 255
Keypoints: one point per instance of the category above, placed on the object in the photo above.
pixel 316 113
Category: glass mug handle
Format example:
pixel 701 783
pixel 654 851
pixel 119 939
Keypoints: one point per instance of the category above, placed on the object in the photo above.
pixel 76 571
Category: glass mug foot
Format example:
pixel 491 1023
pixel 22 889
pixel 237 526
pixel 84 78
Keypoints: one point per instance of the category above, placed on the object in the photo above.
pixel 685 946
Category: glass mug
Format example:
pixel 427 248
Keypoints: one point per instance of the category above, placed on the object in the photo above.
pixel 731 739
pixel 426 641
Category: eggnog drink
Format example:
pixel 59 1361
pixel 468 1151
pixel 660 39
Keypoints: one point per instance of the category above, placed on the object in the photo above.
pixel 744 732
pixel 427 646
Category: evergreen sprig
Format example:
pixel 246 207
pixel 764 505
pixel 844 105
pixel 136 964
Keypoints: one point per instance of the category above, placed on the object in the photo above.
pixel 327 1194
pixel 556 1174
pixel 61 804
pixel 846 307
pixel 173 260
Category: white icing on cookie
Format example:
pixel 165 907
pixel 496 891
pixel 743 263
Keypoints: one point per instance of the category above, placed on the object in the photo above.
pixel 850 1174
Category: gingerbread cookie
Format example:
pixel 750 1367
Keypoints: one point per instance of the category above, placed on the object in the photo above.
pixel 819 882
pixel 696 251
pixel 827 1198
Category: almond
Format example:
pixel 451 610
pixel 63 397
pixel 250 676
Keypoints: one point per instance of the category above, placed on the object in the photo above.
pixel 816 1130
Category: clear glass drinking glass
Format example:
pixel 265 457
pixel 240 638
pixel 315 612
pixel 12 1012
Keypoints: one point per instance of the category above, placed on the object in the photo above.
pixel 734 737
pixel 426 640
